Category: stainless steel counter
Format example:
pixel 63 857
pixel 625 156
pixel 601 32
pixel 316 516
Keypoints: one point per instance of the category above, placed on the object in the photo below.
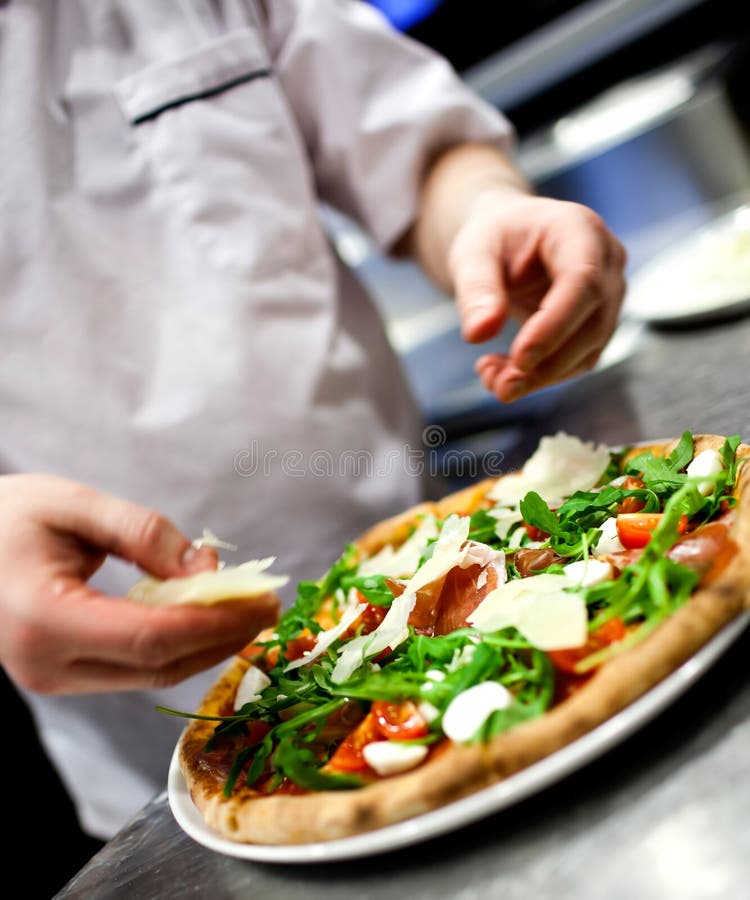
pixel 665 814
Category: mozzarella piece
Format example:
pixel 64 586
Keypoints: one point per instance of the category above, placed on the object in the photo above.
pixel 588 572
pixel 609 542
pixel 250 687
pixel 428 712
pixel 241 582
pixel 392 757
pixel 560 466
pixel 326 638
pixel 404 561
pixel 469 710
pixel 707 462
pixel 540 607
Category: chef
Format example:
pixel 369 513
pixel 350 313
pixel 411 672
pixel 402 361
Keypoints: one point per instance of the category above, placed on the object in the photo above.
pixel 180 338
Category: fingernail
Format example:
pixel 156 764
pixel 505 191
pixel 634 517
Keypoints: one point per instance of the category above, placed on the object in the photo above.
pixel 198 559
pixel 514 389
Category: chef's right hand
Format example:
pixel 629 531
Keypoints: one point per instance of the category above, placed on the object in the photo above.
pixel 61 636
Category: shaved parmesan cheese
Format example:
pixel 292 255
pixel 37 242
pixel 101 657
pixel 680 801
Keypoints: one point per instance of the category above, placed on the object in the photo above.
pixel 250 687
pixel 506 519
pixel 394 628
pixel 209 539
pixel 560 466
pixel 445 556
pixel 241 582
pixel 403 562
pixel 326 638
pixel 547 615
pixel 476 554
pixel 392 757
pixel 469 710
pixel 391 632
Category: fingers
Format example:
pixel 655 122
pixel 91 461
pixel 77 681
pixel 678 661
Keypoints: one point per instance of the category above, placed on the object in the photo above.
pixel 478 286
pixel 95 676
pixel 132 532
pixel 584 262
pixel 128 633
pixel 85 636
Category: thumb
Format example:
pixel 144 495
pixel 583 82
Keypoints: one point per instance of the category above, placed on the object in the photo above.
pixel 132 532
pixel 480 294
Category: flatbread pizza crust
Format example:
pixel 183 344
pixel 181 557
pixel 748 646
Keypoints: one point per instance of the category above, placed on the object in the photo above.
pixel 249 817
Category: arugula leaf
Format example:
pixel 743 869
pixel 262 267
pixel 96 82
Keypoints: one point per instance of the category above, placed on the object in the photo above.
pixel 483 528
pixel 300 765
pixel 372 587
pixel 663 474
pixel 566 538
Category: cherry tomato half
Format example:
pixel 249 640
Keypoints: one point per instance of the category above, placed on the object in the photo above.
pixel 609 633
pixel 348 756
pixel 635 529
pixel 399 721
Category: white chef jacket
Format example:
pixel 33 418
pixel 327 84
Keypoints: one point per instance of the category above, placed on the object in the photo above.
pixel 175 326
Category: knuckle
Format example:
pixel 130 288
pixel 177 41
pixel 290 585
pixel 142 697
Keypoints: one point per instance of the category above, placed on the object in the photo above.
pixel 151 648
pixel 167 676
pixel 148 529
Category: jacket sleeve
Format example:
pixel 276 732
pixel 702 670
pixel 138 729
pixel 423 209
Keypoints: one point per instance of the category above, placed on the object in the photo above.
pixel 373 107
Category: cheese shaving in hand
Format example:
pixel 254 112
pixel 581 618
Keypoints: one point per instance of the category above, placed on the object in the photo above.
pixel 242 582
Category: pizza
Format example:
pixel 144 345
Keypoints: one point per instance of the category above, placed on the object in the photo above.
pixel 464 640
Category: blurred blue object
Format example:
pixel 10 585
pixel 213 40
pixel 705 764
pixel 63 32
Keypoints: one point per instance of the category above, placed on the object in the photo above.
pixel 404 14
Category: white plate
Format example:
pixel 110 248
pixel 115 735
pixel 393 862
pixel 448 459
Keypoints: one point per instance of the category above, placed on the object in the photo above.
pixel 702 277
pixel 474 807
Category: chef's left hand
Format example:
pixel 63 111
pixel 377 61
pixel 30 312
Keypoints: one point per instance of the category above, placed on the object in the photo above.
pixel 553 266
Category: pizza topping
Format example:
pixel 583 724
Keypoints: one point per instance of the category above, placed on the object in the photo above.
pixel 707 550
pixel 446 637
pixel 560 466
pixel 541 607
pixel 326 638
pixel 588 572
pixel 635 529
pixel 404 561
pixel 611 632
pixel 449 551
pixel 251 687
pixel 530 561
pixel 609 541
pixel 707 463
pixel 470 709
pixel 399 721
pixel 391 758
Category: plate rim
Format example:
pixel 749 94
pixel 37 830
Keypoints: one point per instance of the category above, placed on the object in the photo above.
pixel 732 303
